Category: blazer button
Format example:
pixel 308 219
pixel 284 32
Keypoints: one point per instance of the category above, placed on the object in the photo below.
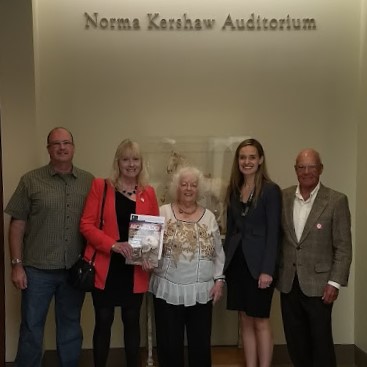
pixel 298 247
pixel 294 264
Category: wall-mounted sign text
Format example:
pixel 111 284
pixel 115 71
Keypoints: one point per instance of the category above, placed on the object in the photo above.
pixel 155 22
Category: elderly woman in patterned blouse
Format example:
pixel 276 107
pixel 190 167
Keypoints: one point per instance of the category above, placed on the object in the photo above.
pixel 189 278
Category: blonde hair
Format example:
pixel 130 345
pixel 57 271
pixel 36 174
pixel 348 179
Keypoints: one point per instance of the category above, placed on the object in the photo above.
pixel 173 187
pixel 125 146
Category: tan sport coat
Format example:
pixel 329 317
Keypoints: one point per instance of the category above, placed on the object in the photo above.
pixel 324 251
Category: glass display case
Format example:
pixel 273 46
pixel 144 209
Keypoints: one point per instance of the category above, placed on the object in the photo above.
pixel 212 155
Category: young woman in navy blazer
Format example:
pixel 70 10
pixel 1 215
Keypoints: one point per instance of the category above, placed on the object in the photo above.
pixel 251 247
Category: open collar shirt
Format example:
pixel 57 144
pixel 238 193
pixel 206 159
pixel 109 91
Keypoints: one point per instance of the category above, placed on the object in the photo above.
pixel 51 205
pixel 302 209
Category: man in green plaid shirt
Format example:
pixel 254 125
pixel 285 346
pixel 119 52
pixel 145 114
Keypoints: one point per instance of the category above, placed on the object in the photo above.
pixel 44 242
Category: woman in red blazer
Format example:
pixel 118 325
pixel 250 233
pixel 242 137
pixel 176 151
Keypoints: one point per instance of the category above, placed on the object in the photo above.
pixel 116 283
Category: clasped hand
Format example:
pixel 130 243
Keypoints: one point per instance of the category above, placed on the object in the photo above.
pixel 123 248
pixel 265 280
pixel 126 250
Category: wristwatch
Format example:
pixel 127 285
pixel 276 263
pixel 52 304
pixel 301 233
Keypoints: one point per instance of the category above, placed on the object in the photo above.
pixel 15 261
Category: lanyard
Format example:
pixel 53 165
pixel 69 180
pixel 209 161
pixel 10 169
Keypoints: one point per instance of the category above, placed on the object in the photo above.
pixel 245 209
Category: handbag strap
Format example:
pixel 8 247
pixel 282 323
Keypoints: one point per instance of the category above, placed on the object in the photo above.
pixel 101 217
pixel 103 203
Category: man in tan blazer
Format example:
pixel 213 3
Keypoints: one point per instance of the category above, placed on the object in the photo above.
pixel 316 254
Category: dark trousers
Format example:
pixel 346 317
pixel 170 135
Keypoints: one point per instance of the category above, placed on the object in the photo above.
pixel 307 328
pixel 102 334
pixel 171 322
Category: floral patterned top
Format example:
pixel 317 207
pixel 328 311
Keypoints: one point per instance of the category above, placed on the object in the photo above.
pixel 192 259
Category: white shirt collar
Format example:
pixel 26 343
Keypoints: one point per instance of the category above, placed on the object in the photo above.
pixel 312 195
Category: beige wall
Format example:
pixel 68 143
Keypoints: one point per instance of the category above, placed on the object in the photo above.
pixel 361 212
pixel 290 89
pixel 19 141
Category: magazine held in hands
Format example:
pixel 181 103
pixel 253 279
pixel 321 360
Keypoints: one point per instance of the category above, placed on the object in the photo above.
pixel 146 238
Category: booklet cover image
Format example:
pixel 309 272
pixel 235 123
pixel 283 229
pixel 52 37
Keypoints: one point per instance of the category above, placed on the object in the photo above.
pixel 146 238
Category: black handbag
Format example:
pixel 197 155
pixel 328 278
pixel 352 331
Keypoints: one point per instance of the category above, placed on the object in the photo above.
pixel 82 273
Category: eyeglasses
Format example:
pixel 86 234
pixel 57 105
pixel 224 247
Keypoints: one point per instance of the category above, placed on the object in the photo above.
pixel 309 167
pixel 57 143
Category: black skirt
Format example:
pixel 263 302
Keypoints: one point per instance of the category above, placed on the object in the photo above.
pixel 243 293
pixel 120 279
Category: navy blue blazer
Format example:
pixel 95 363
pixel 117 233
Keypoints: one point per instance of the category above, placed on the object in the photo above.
pixel 257 233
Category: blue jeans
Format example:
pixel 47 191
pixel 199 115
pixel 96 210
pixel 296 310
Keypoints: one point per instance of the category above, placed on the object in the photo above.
pixel 43 285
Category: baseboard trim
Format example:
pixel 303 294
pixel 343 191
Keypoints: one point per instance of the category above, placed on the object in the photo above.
pixel 360 357
pixel 347 354
pixel 280 354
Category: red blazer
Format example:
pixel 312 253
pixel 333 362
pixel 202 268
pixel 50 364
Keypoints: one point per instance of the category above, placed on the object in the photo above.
pixel 101 241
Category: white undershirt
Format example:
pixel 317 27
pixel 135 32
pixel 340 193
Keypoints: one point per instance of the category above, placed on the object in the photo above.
pixel 301 209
